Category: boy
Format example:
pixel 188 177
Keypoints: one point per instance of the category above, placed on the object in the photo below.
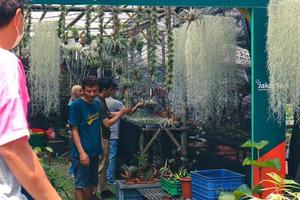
pixel 86 120
pixel 115 105
pixel 18 163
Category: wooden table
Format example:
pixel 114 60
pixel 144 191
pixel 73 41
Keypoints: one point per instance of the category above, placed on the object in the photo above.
pixel 181 147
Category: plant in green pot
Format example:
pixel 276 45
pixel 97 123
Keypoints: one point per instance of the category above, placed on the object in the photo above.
pixel 168 183
pixel 176 183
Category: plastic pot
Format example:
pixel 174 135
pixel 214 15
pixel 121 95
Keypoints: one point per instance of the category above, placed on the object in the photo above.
pixel 186 185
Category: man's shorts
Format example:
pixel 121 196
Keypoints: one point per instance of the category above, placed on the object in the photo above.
pixel 86 176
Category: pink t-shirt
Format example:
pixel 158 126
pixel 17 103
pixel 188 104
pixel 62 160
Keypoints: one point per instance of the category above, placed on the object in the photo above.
pixel 13 98
pixel 13 124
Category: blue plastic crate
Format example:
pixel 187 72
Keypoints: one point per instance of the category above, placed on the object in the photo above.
pixel 208 184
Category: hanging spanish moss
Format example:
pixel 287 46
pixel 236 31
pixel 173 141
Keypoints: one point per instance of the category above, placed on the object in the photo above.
pixel 178 90
pixel 211 70
pixel 170 53
pixel 283 46
pixel 44 69
pixel 87 35
pixel 62 23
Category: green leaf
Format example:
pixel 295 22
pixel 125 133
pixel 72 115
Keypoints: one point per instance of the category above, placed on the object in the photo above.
pixel 261 144
pixel 242 190
pixel 249 161
pixel 273 163
pixel 227 196
pixel 257 145
pixel 49 149
pixel 37 150
pixel 257 189
pixel 248 144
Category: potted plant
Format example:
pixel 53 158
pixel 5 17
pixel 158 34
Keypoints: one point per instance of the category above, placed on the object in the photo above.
pixel 176 183
pixel 144 173
pixel 129 174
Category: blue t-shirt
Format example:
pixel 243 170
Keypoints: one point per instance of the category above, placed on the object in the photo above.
pixel 88 119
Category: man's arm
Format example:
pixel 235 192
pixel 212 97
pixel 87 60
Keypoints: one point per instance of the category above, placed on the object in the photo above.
pixel 117 115
pixel 134 109
pixel 84 158
pixel 26 167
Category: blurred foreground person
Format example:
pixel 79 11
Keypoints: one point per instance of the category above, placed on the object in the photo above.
pixel 18 163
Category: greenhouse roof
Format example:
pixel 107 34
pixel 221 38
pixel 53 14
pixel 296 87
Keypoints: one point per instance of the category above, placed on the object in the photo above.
pixel 213 3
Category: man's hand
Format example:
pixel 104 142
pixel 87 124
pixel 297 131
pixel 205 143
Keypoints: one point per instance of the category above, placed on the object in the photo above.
pixel 139 104
pixel 125 110
pixel 84 159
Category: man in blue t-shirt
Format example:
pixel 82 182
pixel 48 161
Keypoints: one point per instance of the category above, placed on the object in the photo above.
pixel 85 119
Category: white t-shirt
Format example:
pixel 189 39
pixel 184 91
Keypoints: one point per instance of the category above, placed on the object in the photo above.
pixel 114 105
pixel 13 110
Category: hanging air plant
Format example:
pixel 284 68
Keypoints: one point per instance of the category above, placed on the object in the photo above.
pixel 28 24
pixel 283 46
pixel 135 40
pixel 44 68
pixel 101 19
pixel 138 19
pixel 62 23
pixel 170 54
pixel 25 54
pixel 88 36
pixel 210 62
pixel 79 61
pixel 132 72
pixel 153 40
pixel 74 33
pixel 116 22
pixel 190 15
pixel 178 92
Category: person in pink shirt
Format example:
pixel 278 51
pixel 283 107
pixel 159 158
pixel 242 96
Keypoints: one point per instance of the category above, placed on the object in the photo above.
pixel 18 163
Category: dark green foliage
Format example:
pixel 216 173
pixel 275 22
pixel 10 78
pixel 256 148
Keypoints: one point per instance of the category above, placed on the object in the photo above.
pixel 62 23
pixel 88 36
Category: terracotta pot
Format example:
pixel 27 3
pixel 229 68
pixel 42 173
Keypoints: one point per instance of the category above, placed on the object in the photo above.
pixel 186 186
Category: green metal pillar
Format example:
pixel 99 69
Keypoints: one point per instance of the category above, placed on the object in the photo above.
pixel 263 128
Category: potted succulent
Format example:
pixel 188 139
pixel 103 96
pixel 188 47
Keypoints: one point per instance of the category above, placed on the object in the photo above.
pixel 176 183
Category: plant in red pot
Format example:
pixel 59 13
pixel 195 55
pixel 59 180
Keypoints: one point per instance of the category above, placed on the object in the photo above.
pixel 186 182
